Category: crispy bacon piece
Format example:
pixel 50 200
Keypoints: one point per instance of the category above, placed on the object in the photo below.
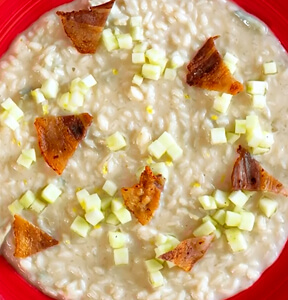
pixel 208 71
pixel 30 239
pixel 84 27
pixel 188 252
pixel 142 199
pixel 58 137
pixel 248 175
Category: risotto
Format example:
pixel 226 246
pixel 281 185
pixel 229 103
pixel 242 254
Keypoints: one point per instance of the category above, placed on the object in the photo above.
pixel 139 113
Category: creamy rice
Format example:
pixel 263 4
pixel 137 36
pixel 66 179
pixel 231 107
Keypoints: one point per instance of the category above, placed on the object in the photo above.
pixel 83 268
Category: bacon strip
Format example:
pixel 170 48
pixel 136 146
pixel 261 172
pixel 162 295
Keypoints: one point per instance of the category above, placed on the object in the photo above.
pixel 188 252
pixel 143 199
pixel 30 239
pixel 248 175
pixel 84 27
pixel 208 71
pixel 58 137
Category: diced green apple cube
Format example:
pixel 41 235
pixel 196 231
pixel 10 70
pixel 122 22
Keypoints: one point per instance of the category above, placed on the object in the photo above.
pixel 116 204
pixel 117 31
pixel 247 221
pixel 81 195
pixel 15 207
pixel 10 121
pixel 259 101
pixel 160 168
pixel 176 60
pixel 267 141
pixel 156 279
pixel 115 141
pixel 268 206
pixel 8 104
pixel 218 136
pixel 220 216
pixel 204 229
pixel 172 241
pixel 254 131
pixel 137 79
pixel 16 113
pixel 232 67
pixel 161 249
pixel 150 71
pixel 235 239
pixel 140 48
pixel 153 265
pixel 156 149
pixel 112 219
pixel 76 99
pixel 221 103
pixel 208 218
pixel 29 153
pixel 166 139
pixel 136 21
pixel 109 40
pixel 121 256
pixel 229 57
pixel 217 233
pixel 256 87
pixel 232 137
pixel 137 33
pixel 37 206
pixel 259 150
pixel 27 199
pixel 160 239
pixel 50 88
pixel 207 202
pixel 155 55
pixel 170 74
pixel 123 215
pixel 270 68
pixel 138 58
pixel 162 63
pixel 238 198
pixel 221 198
pixel 240 126
pixel 254 137
pixel 51 193
pixel 117 239
pixel 232 218
pixel 110 187
pixel 38 96
pixel 80 226
pixel 238 209
pixel 64 100
pixel 94 217
pixel 105 203
pixel 252 121
pixel 78 85
pixel 230 61
pixel 89 81
pixel 140 171
pixel 91 202
pixel 125 41
pixel 24 161
pixel 175 152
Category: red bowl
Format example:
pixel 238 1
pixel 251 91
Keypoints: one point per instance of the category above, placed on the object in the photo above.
pixel 17 15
